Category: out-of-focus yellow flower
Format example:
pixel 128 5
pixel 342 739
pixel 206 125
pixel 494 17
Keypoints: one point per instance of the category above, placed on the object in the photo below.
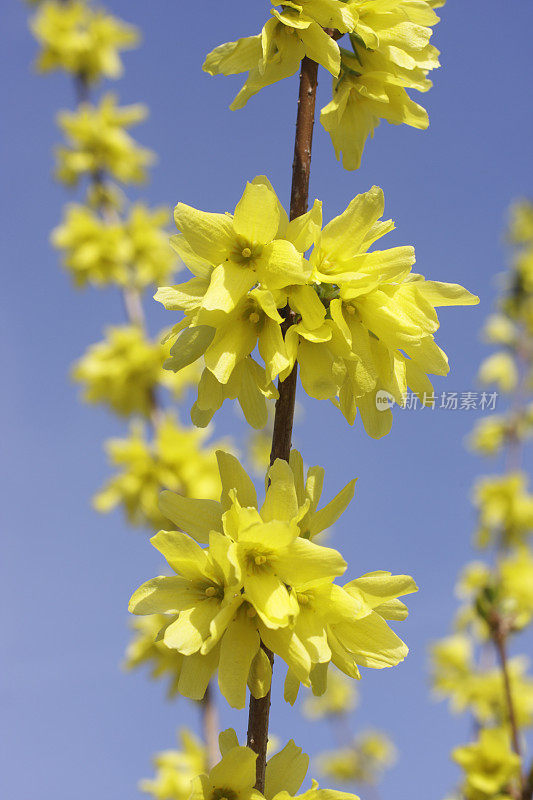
pixel 125 369
pixel 98 142
pixel 361 762
pixel 499 370
pixel 390 53
pixel 520 229
pixel 480 691
pixel 489 764
pixel 82 40
pixel 490 435
pixel 130 252
pixel 499 329
pixel 176 459
pixel 516 571
pixel 339 698
pixel 145 648
pixel 95 252
pixel 176 769
pixel 505 509
pixel 152 260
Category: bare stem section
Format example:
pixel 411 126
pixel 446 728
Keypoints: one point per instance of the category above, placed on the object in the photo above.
pixel 210 727
pixel 500 643
pixel 284 416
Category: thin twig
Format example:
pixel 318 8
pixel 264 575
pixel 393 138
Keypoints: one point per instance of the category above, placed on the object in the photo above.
pixel 210 727
pixel 283 420
pixel 499 637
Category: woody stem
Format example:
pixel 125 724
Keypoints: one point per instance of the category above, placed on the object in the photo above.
pixel 284 416
pixel 500 642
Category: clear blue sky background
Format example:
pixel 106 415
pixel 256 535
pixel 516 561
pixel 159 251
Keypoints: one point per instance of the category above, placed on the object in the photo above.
pixel 75 725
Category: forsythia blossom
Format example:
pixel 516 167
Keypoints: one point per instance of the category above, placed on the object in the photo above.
pixel 124 370
pixel 362 761
pixel 182 774
pixel 387 52
pixel 98 142
pixel 489 764
pixel 261 578
pixel 82 40
pixel 174 460
pixel 145 648
pixel 176 769
pixel 130 252
pixel 358 322
pixel 505 509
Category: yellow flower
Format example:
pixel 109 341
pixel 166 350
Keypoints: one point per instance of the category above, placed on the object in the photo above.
pixel 489 764
pixel 500 370
pixel 97 141
pixel 362 761
pixel 151 260
pixel 81 40
pixel 234 776
pixel 248 384
pixel 258 580
pixel 176 769
pixel 339 698
pixel 521 223
pixel 131 252
pixel 390 53
pixel 145 648
pixel 505 509
pixel 176 459
pixel 125 370
pixel 378 335
pixel 362 323
pixel 500 330
pixel 490 435
pixel 516 571
pixel 277 51
pixel 479 691
pixel 242 266
pixel 95 252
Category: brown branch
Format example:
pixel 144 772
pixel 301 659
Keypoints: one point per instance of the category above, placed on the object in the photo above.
pixel 210 727
pixel 284 416
pixel 527 791
pixel 499 637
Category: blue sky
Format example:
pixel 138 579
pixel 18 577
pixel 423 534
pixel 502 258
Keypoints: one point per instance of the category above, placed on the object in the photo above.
pixel 74 722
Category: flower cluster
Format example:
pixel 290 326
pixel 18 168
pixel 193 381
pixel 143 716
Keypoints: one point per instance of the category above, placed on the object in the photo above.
pixel 174 459
pixel 362 761
pixel 468 687
pixel 124 371
pixel 145 648
pixel 176 769
pixel 473 668
pixel 98 142
pixel 491 767
pixel 357 322
pixel 81 40
pixel 366 755
pixel 505 509
pixel 234 775
pixel 387 52
pixel 262 579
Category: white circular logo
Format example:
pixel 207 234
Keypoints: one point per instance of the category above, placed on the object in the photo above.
pixel 384 400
